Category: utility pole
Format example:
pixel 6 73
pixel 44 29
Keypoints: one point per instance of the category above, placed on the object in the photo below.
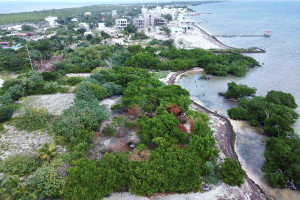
pixel 29 57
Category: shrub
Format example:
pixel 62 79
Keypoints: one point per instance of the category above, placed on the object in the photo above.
pixel 113 89
pixel 237 113
pixel 51 76
pixel 74 80
pixel 12 188
pixel 47 182
pixel 20 164
pixel 109 131
pixel 216 69
pixel 99 91
pixel 282 161
pixel 16 92
pixel 281 98
pixel 90 91
pixel 34 119
pixel 77 123
pixel 211 173
pixel 237 91
pixel 6 99
pixel 232 173
pixel 6 113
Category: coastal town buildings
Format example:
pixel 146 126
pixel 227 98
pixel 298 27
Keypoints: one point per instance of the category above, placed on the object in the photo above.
pixel 4 45
pixel 89 33
pixel 87 14
pixel 114 13
pixel 52 21
pixel 101 26
pixel 74 20
pixel 139 22
pixel 121 24
pixel 13 28
pixel 83 25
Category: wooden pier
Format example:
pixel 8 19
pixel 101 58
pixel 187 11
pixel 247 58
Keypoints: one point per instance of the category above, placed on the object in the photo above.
pixel 230 36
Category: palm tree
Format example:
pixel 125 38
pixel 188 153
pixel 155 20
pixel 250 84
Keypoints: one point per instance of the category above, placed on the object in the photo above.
pixel 48 151
pixel 12 189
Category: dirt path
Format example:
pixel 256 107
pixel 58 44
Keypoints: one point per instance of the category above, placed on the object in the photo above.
pixel 225 137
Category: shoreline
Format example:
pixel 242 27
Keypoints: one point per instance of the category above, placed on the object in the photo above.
pixel 225 137
pixel 223 48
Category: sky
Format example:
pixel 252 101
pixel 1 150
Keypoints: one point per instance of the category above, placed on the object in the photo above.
pixel 121 1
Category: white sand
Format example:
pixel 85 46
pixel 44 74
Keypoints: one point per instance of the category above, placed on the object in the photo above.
pixel 54 103
pixel 1 82
pixel 14 141
pixel 78 75
pixel 193 39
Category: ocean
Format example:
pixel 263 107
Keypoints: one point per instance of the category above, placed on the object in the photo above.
pixel 280 69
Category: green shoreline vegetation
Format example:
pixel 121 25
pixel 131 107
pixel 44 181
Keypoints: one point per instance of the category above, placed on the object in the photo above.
pixel 275 113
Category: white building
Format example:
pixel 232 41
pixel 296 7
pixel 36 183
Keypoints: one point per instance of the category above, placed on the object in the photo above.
pixel 101 26
pixel 14 28
pixel 139 22
pixel 154 17
pixel 74 20
pixel 175 30
pixel 114 13
pixel 121 24
pixel 52 21
pixel 89 33
pixel 84 25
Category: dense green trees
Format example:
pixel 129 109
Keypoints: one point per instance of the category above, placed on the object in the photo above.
pixel 237 91
pixel 220 64
pixel 281 98
pixel 84 59
pixel 91 180
pixel 281 168
pixel 130 28
pixel 11 60
pixel 76 124
pixel 20 164
pixel 232 173
pixel 31 83
pixel 276 118
pixel 6 113
pixel 144 61
pixel 164 125
pixel 46 183
pixel 34 119
pixel 275 112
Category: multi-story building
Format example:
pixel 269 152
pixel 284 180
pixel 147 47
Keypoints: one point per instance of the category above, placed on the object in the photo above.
pixel 159 21
pixel 121 24
pixel 139 22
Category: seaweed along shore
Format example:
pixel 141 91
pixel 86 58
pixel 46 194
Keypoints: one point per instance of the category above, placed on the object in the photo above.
pixel 225 137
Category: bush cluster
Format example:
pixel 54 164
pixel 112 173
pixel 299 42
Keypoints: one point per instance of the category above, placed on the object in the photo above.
pixel 34 119
pixel 20 164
